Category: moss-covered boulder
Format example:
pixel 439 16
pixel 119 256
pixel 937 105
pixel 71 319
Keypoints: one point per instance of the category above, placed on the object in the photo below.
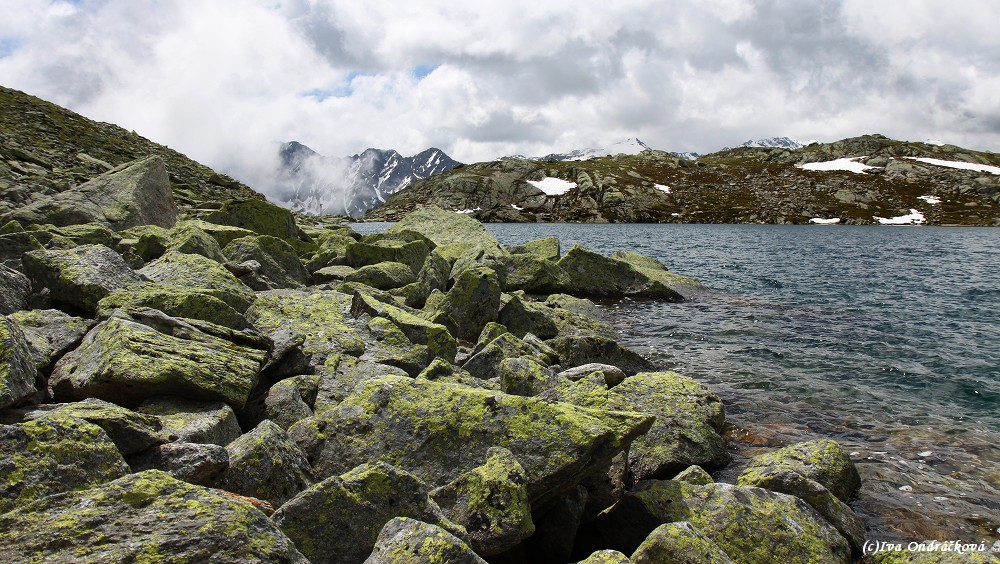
pixel 689 420
pixel 78 277
pixel 223 234
pixel 612 375
pixel 14 290
pixel 433 275
pixel 751 525
pixel 525 377
pixel 606 557
pixel 410 253
pixel 678 542
pixel 137 193
pixel 280 266
pixel 130 431
pixel 453 233
pixel 356 505
pixel 824 461
pixel 145 517
pixel 521 315
pixel 266 464
pixel 439 431
pixel 14 245
pixel 340 375
pixel 190 421
pixel 194 463
pixel 383 276
pixel 284 403
pixel 332 251
pixel 472 302
pixel 334 273
pixel 174 301
pixel 320 317
pixel 148 242
pixel 485 364
pixel 418 330
pixel 51 333
pixel 534 275
pixel 53 455
pixel 656 270
pixel 694 475
pixel 386 344
pixel 188 237
pixel 490 256
pixel 17 369
pixel 257 215
pixel 592 274
pixel 576 350
pixel 547 248
pixel 199 273
pixel 409 541
pixel 489 504
pixel 837 513
pixel 127 362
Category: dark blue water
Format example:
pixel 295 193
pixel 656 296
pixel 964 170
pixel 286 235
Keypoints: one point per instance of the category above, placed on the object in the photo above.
pixel 885 338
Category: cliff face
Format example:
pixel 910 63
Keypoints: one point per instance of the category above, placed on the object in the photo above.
pixel 741 185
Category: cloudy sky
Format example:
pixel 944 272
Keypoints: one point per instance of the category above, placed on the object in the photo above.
pixel 225 81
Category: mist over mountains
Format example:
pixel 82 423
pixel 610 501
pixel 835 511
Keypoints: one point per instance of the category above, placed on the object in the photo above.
pixel 314 184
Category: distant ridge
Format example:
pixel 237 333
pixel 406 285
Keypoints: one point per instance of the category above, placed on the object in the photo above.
pixel 779 142
pixel 311 183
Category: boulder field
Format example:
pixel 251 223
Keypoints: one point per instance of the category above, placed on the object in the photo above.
pixel 244 387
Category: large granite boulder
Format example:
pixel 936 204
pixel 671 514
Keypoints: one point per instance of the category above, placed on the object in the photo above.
pixel 194 463
pixel 356 505
pixel 144 517
pixel 439 431
pixel 199 273
pixel 412 253
pixel 453 233
pixel 53 455
pixel 750 525
pixel 280 266
pixel 173 301
pixel 319 317
pixel 824 461
pixel 547 248
pixel 408 541
pixel 575 350
pixel 689 420
pixel 383 275
pixel 126 362
pixel 656 270
pixel 51 333
pixel 472 302
pixel 266 464
pixel 78 277
pixel 191 421
pixel 17 370
pixel 534 275
pixel 137 193
pixel 417 329
pixel 257 215
pixel 678 542
pixel 14 290
pixel 489 504
pixel 130 431
pixel 592 274
pixel 188 237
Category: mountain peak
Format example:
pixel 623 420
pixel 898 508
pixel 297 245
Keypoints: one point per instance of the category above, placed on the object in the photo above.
pixel 779 142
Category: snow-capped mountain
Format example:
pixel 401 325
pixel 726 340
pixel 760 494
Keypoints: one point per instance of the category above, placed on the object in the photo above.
pixel 780 142
pixel 631 146
pixel 314 184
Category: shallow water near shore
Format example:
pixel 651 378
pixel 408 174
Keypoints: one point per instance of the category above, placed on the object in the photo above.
pixel 886 339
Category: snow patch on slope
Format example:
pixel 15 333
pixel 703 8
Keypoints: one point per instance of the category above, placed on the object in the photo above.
pixel 849 164
pixel 958 164
pixel 553 186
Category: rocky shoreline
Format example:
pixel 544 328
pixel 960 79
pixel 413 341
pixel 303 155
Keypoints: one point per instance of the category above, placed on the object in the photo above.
pixel 245 388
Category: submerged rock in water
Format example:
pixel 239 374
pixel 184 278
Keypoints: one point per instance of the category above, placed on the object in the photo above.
pixel 824 461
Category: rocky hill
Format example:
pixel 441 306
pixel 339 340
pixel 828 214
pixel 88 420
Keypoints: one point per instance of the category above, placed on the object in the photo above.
pixel 313 184
pixel 189 373
pixel 889 184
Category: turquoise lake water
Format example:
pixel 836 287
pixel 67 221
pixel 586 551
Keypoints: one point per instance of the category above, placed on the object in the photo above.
pixel 884 338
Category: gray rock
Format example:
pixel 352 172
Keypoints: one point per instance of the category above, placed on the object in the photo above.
pixel 525 377
pixel 547 248
pixel 408 541
pixel 824 461
pixel 188 237
pixel 606 557
pixel 689 418
pixel 257 215
pixel 356 505
pixel 191 421
pixel 78 277
pixel 440 431
pixel 339 379
pixel 453 233
pixel 149 516
pixel 678 542
pixel 486 363
pixel 280 266
pixel 194 463
pixel 472 302
pixel 51 333
pixel 612 375
pixel 383 276
pixel 578 350
pixel 534 275
pixel 14 290
pixel 199 273
pixel 266 464
pixel 130 431
pixel 591 274
pixel 197 366
pixel 489 504
pixel 17 371
pixel 137 193
pixel 53 455
pixel 14 245
pixel 284 404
